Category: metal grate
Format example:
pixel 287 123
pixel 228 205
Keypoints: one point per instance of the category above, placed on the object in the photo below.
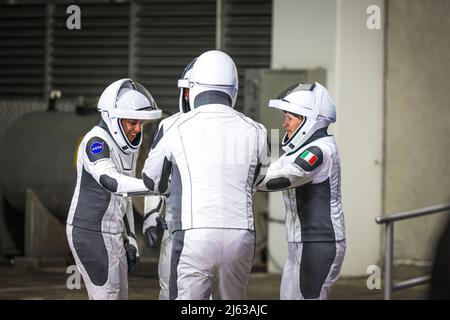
pixel 22 50
pixel 152 44
pixel 247 31
pixel 85 61
pixel 169 34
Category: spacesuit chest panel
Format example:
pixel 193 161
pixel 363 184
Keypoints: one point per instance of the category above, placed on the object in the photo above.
pixel 314 212
pixel 124 162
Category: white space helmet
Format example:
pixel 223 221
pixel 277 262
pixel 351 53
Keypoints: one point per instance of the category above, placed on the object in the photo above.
pixel 183 83
pixel 313 103
pixel 126 99
pixel 214 79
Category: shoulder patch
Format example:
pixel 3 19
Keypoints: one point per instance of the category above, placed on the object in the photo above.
pixel 310 158
pixel 96 149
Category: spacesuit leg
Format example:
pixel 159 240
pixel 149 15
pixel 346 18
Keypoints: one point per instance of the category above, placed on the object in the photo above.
pixel 315 261
pixel 101 261
pixel 164 265
pixel 335 270
pixel 290 287
pixel 194 260
pixel 236 264
pixel 121 269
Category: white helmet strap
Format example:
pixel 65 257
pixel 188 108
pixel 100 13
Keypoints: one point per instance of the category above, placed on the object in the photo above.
pixel 289 144
pixel 131 144
pixel 313 130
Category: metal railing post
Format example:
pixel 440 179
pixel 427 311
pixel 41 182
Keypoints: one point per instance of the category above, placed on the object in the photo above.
pixel 389 220
pixel 388 263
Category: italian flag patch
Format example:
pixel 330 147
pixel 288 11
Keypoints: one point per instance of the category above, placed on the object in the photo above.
pixel 309 157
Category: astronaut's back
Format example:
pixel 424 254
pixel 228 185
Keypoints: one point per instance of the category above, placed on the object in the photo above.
pixel 215 153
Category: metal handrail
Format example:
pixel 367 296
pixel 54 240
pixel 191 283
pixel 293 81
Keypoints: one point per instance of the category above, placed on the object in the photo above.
pixel 389 242
pixel 412 213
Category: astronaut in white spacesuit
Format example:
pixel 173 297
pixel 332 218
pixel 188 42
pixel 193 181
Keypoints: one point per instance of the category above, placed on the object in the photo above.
pixel 157 208
pixel 309 174
pixel 216 156
pixel 100 224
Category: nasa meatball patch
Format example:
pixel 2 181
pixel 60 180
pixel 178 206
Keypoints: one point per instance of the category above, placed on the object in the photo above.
pixel 97 149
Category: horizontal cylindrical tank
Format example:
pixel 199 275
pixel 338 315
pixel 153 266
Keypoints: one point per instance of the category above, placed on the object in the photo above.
pixel 39 152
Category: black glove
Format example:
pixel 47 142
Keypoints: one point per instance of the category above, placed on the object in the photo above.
pixel 161 223
pixel 153 227
pixel 132 257
pixel 151 236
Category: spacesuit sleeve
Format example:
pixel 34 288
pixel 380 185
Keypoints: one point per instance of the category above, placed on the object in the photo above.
pixel 154 207
pixel 154 204
pixel 98 163
pixel 263 157
pixel 158 166
pixel 128 220
pixel 302 170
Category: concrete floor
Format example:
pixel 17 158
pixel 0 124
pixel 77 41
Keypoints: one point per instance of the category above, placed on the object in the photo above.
pixel 23 281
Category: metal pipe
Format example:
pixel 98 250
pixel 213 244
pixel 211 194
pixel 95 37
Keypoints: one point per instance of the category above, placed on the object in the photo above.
pixel 413 213
pixel 275 220
pixel 412 283
pixel 388 263
pixel 389 244
pixel 219 24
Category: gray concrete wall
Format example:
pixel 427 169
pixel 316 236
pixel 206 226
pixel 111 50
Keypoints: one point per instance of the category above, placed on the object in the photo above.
pixel 417 120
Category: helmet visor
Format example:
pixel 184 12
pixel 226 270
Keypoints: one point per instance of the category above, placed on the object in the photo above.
pixel 147 112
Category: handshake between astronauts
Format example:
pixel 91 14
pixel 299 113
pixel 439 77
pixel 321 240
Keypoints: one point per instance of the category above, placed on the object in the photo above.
pixel 204 164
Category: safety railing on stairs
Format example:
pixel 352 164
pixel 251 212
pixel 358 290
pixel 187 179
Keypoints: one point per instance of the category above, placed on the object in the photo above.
pixel 389 220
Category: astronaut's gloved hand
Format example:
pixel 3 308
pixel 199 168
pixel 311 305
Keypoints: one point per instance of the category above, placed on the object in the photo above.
pixel 132 255
pixel 151 237
pixel 161 223
pixel 151 229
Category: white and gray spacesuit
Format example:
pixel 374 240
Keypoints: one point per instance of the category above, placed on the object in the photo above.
pixel 309 173
pixel 100 224
pixel 215 155
pixel 157 209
